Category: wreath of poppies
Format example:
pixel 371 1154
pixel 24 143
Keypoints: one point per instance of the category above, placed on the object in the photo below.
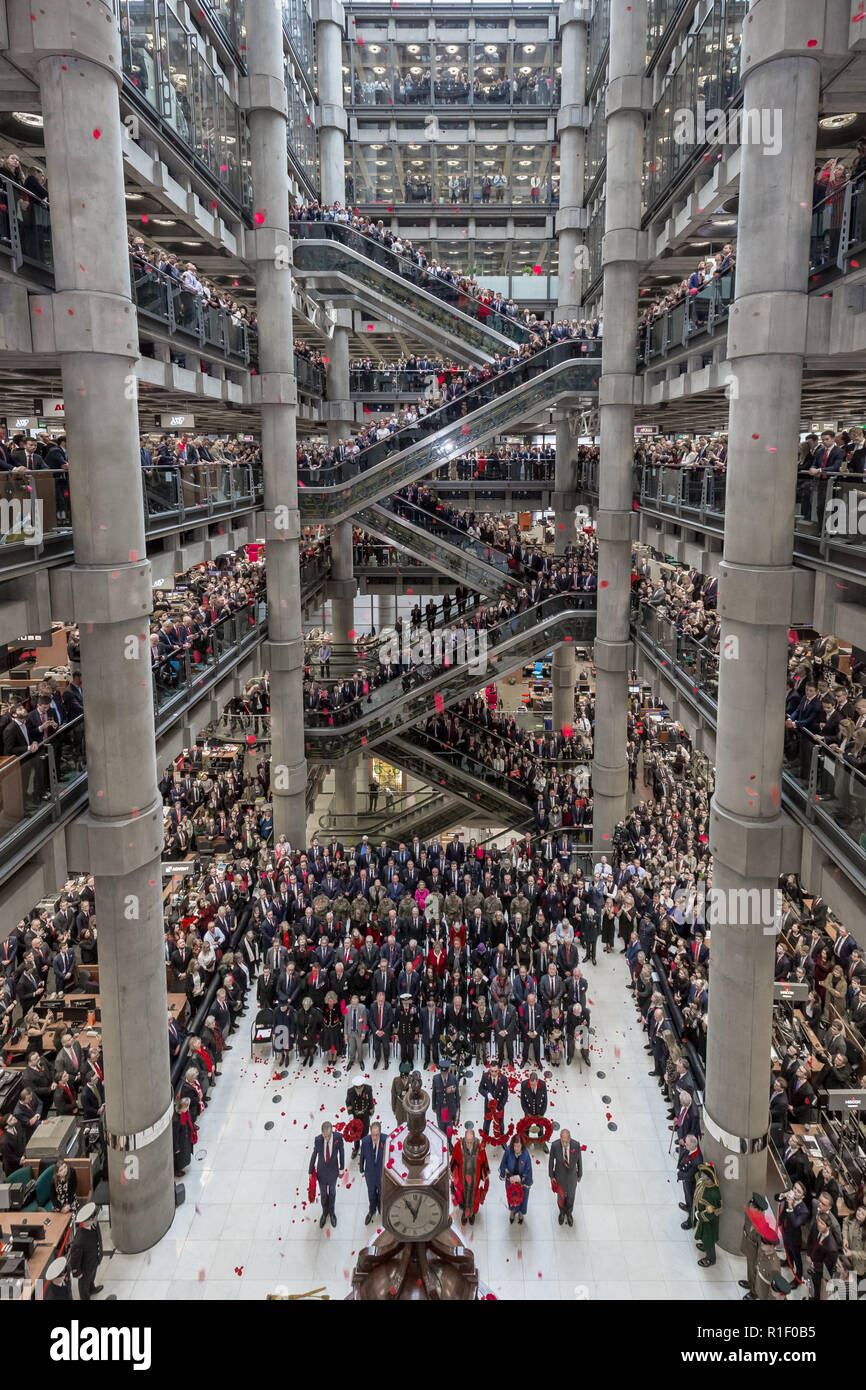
pixel 311 1187
pixel 514 1193
pixel 353 1131
pixel 500 1136
pixel 542 1126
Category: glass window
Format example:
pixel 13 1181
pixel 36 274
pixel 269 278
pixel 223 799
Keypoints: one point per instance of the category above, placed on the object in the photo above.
pixel 227 125
pixel 451 74
pixel 533 75
pixel 414 173
pixel 139 43
pixel 735 13
pixel 349 94
pixel 412 74
pixel 174 46
pixel 246 161
pixel 708 87
pixel 204 112
pixel 452 174
pixel 374 174
pixel 531 180
pixel 492 76
pixel 372 76
pixel 350 177
pixel 492 182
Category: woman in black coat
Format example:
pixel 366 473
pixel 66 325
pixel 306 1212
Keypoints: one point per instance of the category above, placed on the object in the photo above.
pixel 184 1135
pixel 309 1027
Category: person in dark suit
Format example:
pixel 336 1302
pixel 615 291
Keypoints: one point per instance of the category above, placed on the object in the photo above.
pixel 531 1023
pixel 372 1162
pixel 494 1089
pixel 565 1170
pixel 793 1217
pixel 533 1097
pixel 445 1100
pixel 380 1017
pixel 431 1030
pixel 801 1096
pixel 360 1106
pixel 327 1161
pixel 86 1252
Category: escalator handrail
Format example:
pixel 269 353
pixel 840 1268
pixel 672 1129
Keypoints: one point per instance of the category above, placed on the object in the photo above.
pixel 570 349
pixel 406 269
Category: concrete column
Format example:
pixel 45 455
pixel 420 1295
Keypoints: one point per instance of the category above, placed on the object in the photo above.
pixel 284 655
pixel 627 98
pixel 386 611
pixel 342 585
pixel 751 841
pixel 74 53
pixel 333 124
pixel 346 787
pixel 573 17
pixel 563 669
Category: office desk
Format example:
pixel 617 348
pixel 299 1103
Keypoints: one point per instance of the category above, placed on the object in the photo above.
pixel 56 1225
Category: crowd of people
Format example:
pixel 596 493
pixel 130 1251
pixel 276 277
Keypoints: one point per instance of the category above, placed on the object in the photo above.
pixel 489 304
pixel 708 271
pixel 184 619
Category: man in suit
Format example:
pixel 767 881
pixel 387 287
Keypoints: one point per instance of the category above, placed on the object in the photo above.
pixel 533 1097
pixel 70 1058
pixel 493 1088
pixel 565 1170
pixel 372 1161
pixel 431 1030
pixel 355 1028
pixel 445 1100
pixel 360 1106
pixel 327 1162
pixel 380 1019
pixel 504 1032
pixel 86 1252
pixel 531 1023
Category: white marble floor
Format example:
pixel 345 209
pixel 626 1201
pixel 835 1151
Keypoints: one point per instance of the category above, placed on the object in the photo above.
pixel 244 1229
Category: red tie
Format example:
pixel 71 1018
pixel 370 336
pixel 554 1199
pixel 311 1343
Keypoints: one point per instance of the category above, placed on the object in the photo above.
pixel 380 1018
pixel 327 1152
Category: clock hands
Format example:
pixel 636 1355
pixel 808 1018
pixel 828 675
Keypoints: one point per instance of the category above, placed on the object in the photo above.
pixel 414 1209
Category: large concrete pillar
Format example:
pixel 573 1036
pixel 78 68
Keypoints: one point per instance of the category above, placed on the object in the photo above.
pixel 627 99
pixel 573 17
pixel 73 51
pixel 330 21
pixel 573 20
pixel 752 842
pixel 284 655
pixel 563 669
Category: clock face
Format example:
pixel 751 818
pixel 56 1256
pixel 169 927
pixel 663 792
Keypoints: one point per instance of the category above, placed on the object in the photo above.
pixel 415 1215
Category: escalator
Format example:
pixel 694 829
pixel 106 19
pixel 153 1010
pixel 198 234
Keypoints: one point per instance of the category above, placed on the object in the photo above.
pixel 435 542
pixel 389 708
pixel 424 816
pixel 502 405
pixel 349 268
pixel 470 781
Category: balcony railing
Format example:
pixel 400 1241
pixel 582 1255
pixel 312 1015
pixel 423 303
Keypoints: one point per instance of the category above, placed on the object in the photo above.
pixel 36 508
pixel 820 787
pixel 698 314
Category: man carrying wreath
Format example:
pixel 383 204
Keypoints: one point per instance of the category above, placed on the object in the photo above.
pixel 533 1100
pixel 359 1107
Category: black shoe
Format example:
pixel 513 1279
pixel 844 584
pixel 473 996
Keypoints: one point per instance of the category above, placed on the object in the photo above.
pixel 653 1074
pixel 228 1047
pixel 472 1219
pixel 562 1218
pixel 369 1217
pixel 511 1217
pixel 355 1151
pixel 685 1225
pixel 744 1284
pixel 684 1206
pixel 322 1219
pixel 333 1219
pixel 97 1288
pixel 569 1218
pixel 707 1263
pixel 376 1064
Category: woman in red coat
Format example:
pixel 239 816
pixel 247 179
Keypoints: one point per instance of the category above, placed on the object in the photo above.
pixel 436 959
pixel 470 1174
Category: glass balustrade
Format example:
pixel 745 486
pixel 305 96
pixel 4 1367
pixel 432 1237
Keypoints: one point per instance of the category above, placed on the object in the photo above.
pixel 466 423
pixel 419 292
pixel 408 526
pixel 561 618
